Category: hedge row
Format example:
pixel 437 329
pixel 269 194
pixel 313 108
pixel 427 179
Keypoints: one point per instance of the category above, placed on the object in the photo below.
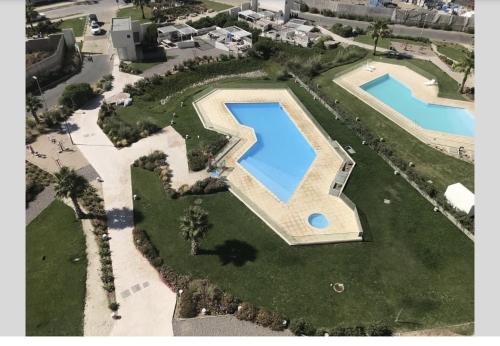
pixel 94 205
pixel 36 180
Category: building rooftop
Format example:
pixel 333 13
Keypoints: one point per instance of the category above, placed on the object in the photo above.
pixel 234 31
pixel 183 29
pixel 121 24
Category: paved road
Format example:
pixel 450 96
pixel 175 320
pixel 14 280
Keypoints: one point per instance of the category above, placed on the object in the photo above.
pixel 91 72
pixel 226 325
pixel 99 7
pixel 450 36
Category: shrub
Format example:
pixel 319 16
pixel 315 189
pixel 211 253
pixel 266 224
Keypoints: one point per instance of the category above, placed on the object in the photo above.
pixel 304 8
pixel 187 305
pixel 314 10
pixel 342 30
pixel 75 96
pixel 301 327
pixel 114 306
pixel 379 330
pixel 270 319
pixel 197 159
pixel 247 312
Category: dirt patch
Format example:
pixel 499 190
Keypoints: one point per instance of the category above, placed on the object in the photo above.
pixel 33 58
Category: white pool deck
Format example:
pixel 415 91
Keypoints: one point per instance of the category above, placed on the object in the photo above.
pixel 448 143
pixel 289 220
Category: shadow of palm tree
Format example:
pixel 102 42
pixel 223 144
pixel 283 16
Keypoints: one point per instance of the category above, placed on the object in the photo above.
pixel 120 218
pixel 234 252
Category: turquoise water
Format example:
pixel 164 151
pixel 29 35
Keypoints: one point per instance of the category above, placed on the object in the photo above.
pixel 281 156
pixel 318 220
pixel 454 120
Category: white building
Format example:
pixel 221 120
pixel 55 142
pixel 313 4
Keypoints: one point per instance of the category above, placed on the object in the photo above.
pixel 126 35
pixel 182 35
pixel 231 39
pixel 460 198
pixel 281 7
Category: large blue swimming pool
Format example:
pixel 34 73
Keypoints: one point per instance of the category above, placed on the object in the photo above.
pixel 281 156
pixel 398 96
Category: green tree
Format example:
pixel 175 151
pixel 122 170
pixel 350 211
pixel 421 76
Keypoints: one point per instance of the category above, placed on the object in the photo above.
pixel 141 3
pixel 377 30
pixel 76 95
pixel 70 185
pixel 33 104
pixel 31 13
pixel 465 65
pixel 194 226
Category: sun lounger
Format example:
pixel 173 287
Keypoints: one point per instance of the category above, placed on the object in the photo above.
pixel 431 82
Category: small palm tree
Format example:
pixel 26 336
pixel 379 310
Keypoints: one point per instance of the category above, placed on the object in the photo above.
pixel 465 65
pixel 379 29
pixel 70 184
pixel 141 3
pixel 194 226
pixel 30 13
pixel 33 104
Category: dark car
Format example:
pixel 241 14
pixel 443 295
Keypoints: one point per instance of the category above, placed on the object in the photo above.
pixel 92 18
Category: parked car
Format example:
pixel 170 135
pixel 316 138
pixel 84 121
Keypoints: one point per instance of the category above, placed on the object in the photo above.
pixel 95 28
pixel 93 18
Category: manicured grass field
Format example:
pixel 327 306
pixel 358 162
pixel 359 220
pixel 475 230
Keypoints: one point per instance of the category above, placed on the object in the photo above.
pixel 216 6
pixel 453 51
pixel 77 24
pixel 442 169
pixel 367 39
pixel 143 66
pixel 413 260
pixel 55 285
pixel 135 13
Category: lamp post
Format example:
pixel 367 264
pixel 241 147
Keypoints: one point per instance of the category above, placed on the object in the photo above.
pixel 423 25
pixel 41 94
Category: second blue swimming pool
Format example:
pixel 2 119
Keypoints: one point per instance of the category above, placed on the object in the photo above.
pixel 434 117
pixel 281 156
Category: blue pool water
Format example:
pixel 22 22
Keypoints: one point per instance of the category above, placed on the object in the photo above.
pixel 281 156
pixel 318 220
pixel 398 96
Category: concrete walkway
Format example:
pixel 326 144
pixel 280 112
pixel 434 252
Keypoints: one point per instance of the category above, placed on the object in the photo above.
pixel 41 201
pixel 146 303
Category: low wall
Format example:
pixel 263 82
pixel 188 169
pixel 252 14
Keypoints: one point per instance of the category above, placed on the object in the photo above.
pixel 53 43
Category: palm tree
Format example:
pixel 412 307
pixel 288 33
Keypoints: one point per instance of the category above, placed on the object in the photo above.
pixel 194 226
pixel 30 13
pixel 465 65
pixel 70 184
pixel 141 3
pixel 379 29
pixel 33 104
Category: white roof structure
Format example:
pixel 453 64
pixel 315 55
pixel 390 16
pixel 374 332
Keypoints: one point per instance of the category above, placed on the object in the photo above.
pixel 233 31
pixel 182 29
pixel 460 197
pixel 121 24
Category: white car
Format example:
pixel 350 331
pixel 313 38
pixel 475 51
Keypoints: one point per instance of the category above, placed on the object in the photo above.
pixel 95 29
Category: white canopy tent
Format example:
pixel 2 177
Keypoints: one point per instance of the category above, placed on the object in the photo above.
pixel 460 197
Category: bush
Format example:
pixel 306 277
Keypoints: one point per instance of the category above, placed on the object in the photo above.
pixel 342 30
pixel 304 8
pixel 197 159
pixel 379 330
pixel 301 327
pixel 187 305
pixel 264 48
pixel 75 96
pixel 247 312
pixel 314 10
pixel 269 319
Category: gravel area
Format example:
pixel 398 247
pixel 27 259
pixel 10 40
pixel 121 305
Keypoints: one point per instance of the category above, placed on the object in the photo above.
pixel 226 325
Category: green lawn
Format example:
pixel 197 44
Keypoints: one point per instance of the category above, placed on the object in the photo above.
pixel 440 168
pixel 453 51
pixel 77 24
pixel 367 39
pixel 143 66
pixel 135 13
pixel 216 6
pixel 55 285
pixel 413 259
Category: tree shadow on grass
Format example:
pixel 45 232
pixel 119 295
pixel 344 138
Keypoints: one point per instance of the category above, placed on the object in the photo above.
pixel 120 218
pixel 234 252
pixel 367 231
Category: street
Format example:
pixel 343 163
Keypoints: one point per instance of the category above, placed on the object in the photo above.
pixel 441 35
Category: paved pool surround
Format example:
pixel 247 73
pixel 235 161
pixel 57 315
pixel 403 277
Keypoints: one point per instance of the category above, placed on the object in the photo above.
pixel 290 219
pixel 449 143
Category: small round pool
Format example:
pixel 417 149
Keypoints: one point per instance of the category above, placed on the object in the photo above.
pixel 318 220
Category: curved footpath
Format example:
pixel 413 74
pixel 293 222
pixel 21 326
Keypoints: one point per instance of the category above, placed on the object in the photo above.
pixel 146 303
